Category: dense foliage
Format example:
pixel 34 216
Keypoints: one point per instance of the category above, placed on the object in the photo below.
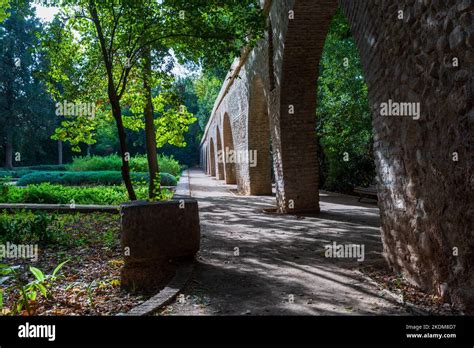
pixel 27 117
pixel 59 194
pixel 343 113
pixel 28 227
pixel 138 163
pixel 44 63
pixel 3 9
pixel 90 178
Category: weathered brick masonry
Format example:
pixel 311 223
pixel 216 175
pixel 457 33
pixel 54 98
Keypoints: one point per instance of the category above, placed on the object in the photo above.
pixel 418 51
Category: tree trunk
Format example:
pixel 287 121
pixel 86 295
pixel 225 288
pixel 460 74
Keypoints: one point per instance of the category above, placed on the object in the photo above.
pixel 60 152
pixel 114 98
pixel 117 113
pixel 8 150
pixel 150 135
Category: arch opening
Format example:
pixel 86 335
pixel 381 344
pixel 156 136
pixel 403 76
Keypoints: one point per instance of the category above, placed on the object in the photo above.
pixel 212 158
pixel 403 150
pixel 220 156
pixel 229 162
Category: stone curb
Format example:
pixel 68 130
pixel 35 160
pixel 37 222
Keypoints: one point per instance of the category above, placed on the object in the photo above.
pixel 183 188
pixel 410 306
pixel 165 296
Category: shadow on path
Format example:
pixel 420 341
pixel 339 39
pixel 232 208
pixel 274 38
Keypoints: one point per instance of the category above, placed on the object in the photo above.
pixel 255 263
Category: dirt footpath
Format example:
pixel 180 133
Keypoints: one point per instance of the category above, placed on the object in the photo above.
pixel 253 263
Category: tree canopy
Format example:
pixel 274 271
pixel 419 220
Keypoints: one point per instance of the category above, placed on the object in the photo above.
pixel 132 44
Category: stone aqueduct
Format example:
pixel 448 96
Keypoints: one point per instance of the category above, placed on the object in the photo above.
pixel 424 166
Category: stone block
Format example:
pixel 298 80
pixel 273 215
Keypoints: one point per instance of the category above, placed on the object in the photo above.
pixel 154 235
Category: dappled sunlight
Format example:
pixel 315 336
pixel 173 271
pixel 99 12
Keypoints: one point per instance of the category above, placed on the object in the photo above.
pixel 269 263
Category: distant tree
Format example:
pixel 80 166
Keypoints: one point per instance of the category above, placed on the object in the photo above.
pixel 4 5
pixel 121 38
pixel 343 114
pixel 26 109
pixel 207 88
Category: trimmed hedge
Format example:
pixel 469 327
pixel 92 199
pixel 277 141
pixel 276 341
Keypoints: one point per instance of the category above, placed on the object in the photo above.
pixel 47 193
pixel 89 178
pixel 138 164
pixel 61 194
pixel 18 172
pixel 15 173
pixel 48 167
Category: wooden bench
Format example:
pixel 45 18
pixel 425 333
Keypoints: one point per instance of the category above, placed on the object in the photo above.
pixel 367 192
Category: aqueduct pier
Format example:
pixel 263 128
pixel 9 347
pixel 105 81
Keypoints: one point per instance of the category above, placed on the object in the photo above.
pixel 412 51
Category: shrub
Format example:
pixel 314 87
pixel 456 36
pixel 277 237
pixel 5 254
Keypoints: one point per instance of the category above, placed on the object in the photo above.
pixel 48 167
pixel 138 164
pixel 169 165
pixel 15 173
pixel 96 163
pixel 167 179
pixel 28 292
pixel 59 194
pixel 89 178
pixel 29 227
pixel 18 172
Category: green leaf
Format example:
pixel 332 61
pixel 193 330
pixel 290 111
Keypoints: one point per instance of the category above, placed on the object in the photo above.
pixel 32 295
pixel 6 271
pixel 42 289
pixel 37 273
pixel 58 267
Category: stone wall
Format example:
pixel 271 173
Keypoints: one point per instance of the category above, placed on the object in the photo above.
pixel 422 52
pixel 412 51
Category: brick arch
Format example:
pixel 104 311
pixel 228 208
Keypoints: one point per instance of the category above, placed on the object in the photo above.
pixel 295 143
pixel 212 158
pixel 220 159
pixel 205 159
pixel 208 162
pixel 424 196
pixel 404 60
pixel 229 166
pixel 206 154
pixel 258 128
pixel 202 157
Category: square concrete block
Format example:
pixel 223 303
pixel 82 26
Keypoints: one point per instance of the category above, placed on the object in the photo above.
pixel 153 236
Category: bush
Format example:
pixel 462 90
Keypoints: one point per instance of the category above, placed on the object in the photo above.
pixel 167 179
pixel 19 172
pixel 138 164
pixel 29 227
pixel 89 178
pixel 169 165
pixel 59 194
pixel 48 167
pixel 96 163
pixel 15 173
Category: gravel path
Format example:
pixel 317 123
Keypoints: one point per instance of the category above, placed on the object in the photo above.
pixel 254 263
